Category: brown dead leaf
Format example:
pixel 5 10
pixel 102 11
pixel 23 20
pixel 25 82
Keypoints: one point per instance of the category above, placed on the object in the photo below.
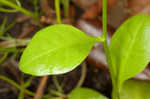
pixel 139 6
pixel 93 11
pixel 26 31
pixel 45 7
pixel 84 4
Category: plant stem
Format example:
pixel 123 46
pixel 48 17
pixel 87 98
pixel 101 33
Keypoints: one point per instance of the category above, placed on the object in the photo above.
pixel 35 2
pixel 2 59
pixel 16 85
pixel 10 4
pixel 40 90
pixel 2 27
pixel 24 85
pixel 107 50
pixel 83 75
pixel 57 7
pixel 57 84
pixel 66 7
pixel 8 10
pixel 104 35
pixel 57 93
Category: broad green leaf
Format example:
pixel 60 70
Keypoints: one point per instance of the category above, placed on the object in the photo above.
pixel 130 48
pixel 134 89
pixel 85 93
pixel 56 49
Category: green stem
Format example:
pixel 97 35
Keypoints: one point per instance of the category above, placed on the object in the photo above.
pixel 56 98
pixel 35 2
pixel 104 35
pixel 2 59
pixel 8 10
pixel 107 51
pixel 16 85
pixel 83 75
pixel 66 7
pixel 2 27
pixel 11 25
pixel 57 84
pixel 12 5
pixel 57 7
pixel 59 94
pixel 18 3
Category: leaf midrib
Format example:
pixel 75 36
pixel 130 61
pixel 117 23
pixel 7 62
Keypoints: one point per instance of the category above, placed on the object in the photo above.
pixel 67 45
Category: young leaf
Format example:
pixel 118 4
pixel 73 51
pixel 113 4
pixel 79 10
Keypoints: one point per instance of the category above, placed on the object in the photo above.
pixel 134 89
pixel 56 49
pixel 85 93
pixel 130 48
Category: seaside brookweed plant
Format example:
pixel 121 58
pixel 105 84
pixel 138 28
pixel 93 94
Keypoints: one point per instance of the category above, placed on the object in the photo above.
pixel 60 48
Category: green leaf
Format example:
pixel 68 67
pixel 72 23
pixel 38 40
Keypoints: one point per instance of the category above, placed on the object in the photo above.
pixel 130 48
pixel 134 89
pixel 56 49
pixel 85 93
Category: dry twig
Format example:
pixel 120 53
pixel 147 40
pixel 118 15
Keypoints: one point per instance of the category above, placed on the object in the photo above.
pixel 41 87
